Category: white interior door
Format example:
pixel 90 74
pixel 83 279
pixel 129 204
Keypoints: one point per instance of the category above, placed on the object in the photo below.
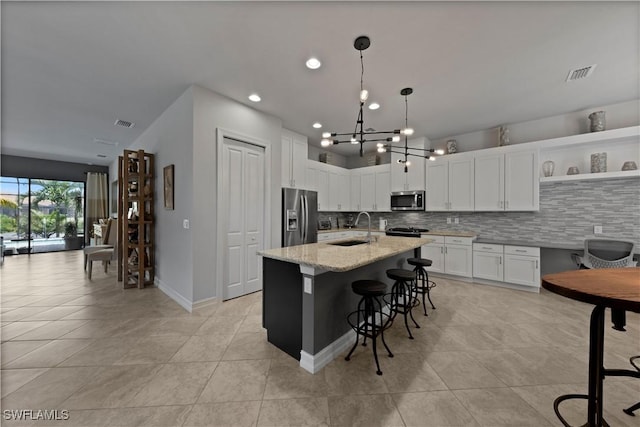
pixel 244 212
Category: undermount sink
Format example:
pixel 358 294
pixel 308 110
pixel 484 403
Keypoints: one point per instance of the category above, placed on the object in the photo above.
pixel 349 243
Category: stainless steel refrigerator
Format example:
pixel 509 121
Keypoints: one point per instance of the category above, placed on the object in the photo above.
pixel 299 217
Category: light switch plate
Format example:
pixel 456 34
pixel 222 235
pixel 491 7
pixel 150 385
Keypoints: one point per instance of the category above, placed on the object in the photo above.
pixel 449 220
pixel 597 229
pixel 185 224
pixel 456 220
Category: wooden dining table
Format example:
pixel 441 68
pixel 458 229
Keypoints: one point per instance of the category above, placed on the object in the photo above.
pixel 615 288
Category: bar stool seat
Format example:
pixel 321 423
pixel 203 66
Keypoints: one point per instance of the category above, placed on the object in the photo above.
pixel 369 320
pixel 422 285
pixel 401 300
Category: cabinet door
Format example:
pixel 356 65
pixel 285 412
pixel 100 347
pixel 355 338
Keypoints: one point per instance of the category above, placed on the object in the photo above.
pixel 345 191
pixel 461 196
pixel 299 154
pixel 487 265
pixel 437 186
pixel 489 183
pixel 368 190
pixel 355 204
pixel 522 270
pixel 287 141
pixel 398 177
pixel 323 190
pixel 458 260
pixel 415 176
pixel 521 181
pixel 311 176
pixel 383 191
pixel 434 252
pixel 334 191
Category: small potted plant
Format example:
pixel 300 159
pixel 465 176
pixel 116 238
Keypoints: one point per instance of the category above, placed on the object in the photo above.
pixel 71 239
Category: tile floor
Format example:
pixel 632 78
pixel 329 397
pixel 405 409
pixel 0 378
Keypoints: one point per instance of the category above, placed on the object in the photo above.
pixel 486 357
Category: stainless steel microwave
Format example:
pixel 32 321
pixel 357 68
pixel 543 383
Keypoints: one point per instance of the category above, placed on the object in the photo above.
pixel 407 201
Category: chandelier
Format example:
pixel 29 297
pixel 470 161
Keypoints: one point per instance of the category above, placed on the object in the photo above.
pixel 359 134
pixel 417 152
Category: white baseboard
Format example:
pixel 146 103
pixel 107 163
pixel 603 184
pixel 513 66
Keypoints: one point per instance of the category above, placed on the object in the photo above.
pixel 314 362
pixel 535 289
pixel 182 301
pixel 207 302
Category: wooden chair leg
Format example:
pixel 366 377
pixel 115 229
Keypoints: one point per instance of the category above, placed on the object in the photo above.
pixel 86 259
pixel 90 268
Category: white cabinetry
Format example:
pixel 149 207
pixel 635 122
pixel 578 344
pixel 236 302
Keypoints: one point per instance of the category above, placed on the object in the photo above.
pixel 413 179
pixel 294 159
pixel 488 261
pixel 449 184
pixel 339 189
pixel 450 255
pixel 375 194
pixel 355 190
pixel 522 265
pixel 507 182
pixel 322 187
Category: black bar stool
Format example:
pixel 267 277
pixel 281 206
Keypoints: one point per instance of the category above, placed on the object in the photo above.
pixel 368 320
pixel 401 300
pixel 422 284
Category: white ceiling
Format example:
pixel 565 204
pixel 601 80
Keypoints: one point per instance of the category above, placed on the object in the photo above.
pixel 70 69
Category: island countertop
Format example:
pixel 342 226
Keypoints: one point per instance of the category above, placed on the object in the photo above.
pixel 344 258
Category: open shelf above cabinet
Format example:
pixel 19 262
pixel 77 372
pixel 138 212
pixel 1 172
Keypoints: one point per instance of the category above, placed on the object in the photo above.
pixel 591 176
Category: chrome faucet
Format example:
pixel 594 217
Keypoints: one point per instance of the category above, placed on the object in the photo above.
pixel 369 225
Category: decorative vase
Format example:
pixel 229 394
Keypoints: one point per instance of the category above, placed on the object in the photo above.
pixel 548 167
pixel 597 121
pixel 598 162
pixel 503 133
pixel 629 166
pixel 452 146
pixel 573 170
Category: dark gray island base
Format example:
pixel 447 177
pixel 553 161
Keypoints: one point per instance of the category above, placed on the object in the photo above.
pixel 305 308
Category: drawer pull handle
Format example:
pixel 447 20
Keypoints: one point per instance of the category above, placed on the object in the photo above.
pixel 485 247
pixel 520 250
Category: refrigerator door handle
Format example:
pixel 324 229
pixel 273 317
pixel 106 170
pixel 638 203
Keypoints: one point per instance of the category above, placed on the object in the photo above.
pixel 303 225
pixel 306 220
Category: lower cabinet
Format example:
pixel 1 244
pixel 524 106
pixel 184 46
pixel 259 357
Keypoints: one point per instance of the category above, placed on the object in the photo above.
pixel 450 255
pixel 519 265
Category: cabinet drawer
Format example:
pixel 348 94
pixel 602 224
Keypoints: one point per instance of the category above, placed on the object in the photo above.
pixel 487 247
pixel 521 250
pixel 449 240
pixel 436 239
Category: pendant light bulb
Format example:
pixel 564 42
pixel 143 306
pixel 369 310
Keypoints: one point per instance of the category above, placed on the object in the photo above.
pixel 325 142
pixel 439 152
pixel 326 135
pixel 395 138
pixel 407 131
pixel 382 150
pixel 408 163
pixel 354 140
pixel 364 95
pixel 433 159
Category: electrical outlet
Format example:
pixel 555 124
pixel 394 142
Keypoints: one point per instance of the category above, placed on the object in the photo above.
pixel 597 229
pixel 449 220
pixel 185 224
pixel 456 220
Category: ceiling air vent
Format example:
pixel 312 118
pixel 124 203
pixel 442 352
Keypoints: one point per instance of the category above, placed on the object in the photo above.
pixel 124 123
pixel 102 156
pixel 581 73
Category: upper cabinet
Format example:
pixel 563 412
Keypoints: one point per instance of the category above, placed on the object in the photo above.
pixel 507 181
pixel 449 184
pixel 294 159
pixel 413 179
pixel 375 184
pixel 356 190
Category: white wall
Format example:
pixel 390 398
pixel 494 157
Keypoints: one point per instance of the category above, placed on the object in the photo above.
pixel 213 111
pixel 170 138
pixel 620 115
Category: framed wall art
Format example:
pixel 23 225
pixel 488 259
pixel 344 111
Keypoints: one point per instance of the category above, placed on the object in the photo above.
pixel 168 187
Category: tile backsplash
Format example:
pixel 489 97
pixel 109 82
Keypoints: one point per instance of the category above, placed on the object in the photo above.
pixel 568 212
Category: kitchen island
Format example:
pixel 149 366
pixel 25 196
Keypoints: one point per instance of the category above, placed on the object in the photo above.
pixel 307 292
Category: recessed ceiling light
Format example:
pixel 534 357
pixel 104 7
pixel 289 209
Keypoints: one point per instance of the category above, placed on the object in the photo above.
pixel 313 63
pixel 374 106
pixel 254 97
pixel 317 125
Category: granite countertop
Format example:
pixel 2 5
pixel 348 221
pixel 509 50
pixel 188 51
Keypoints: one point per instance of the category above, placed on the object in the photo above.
pixel 344 258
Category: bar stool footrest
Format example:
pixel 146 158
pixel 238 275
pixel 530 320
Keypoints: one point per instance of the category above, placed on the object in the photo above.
pixel 364 329
pixel 560 399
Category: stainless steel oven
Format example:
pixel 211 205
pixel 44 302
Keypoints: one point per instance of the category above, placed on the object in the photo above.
pixel 407 201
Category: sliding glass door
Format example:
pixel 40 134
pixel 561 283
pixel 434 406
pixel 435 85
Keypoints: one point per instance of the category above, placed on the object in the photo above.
pixel 41 215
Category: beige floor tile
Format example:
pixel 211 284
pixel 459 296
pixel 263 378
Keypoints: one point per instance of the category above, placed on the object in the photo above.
pixel 178 326
pixel 20 300
pixel 53 300
pixel 159 416
pixel 112 387
pixel 499 407
pixel 221 324
pixel 175 384
pixel 237 414
pixel 294 412
pixel 287 380
pixel 11 350
pixel 357 376
pixel 49 355
pixel 252 323
pixel 152 350
pixel 97 328
pixel 53 313
pixel 50 389
pixel 15 329
pixel 52 330
pixel 237 380
pixel 252 345
pixel 433 408
pixel 203 348
pixel 13 379
pixel 23 313
pixel 407 372
pixel 102 352
pixel 459 370
pixel 367 411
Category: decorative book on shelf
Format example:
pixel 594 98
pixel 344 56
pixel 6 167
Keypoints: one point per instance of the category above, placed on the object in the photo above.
pixel 136 219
